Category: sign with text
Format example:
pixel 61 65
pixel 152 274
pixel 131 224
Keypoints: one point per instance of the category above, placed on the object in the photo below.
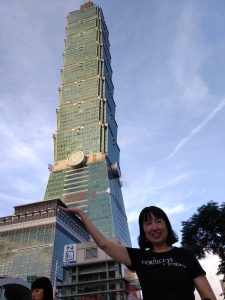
pixel 69 256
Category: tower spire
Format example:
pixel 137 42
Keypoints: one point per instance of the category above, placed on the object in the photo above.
pixel 87 3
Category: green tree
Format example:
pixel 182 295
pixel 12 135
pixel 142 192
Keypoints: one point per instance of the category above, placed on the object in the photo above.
pixel 204 232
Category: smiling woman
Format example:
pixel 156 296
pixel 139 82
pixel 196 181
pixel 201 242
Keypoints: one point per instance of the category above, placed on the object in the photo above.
pixel 164 271
pixel 155 230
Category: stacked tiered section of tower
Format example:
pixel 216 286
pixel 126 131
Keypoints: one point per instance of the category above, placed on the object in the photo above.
pixel 86 168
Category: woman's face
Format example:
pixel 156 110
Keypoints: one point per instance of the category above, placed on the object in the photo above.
pixel 37 294
pixel 155 230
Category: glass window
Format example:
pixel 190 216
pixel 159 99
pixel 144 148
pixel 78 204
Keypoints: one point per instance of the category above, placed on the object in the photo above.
pixel 91 253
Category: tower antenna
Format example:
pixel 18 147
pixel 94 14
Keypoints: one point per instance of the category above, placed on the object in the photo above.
pixel 86 4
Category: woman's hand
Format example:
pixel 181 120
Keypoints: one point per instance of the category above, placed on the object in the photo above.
pixel 72 210
pixel 112 248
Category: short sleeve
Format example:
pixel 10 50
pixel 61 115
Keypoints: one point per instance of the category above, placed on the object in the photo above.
pixel 194 267
pixel 134 253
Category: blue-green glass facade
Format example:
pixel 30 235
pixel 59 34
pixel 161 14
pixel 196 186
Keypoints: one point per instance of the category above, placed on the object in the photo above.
pixel 32 240
pixel 86 114
pixel 86 124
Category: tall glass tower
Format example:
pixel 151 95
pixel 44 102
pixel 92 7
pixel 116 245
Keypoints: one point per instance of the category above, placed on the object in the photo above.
pixel 86 154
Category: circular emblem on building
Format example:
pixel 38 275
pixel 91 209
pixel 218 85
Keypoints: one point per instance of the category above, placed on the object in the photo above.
pixel 76 158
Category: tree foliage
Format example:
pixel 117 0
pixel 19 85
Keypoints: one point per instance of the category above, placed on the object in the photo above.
pixel 204 232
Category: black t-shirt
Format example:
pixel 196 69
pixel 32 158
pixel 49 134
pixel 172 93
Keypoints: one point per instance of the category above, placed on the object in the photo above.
pixel 166 276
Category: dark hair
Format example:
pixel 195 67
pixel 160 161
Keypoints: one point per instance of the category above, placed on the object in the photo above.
pixel 45 284
pixel 158 213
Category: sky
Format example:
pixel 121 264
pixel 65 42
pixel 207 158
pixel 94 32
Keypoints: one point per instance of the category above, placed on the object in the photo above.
pixel 168 60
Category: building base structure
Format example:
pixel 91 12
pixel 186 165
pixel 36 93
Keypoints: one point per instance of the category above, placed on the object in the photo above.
pixel 33 240
pixel 96 276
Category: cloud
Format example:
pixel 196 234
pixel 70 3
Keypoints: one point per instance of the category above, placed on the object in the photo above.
pixel 194 91
pixel 17 150
pixel 187 60
pixel 6 210
pixel 177 209
pixel 147 188
pixel 174 210
pixel 127 136
pixel 172 181
pixel 185 55
pixel 10 198
pixel 198 128
pixel 133 216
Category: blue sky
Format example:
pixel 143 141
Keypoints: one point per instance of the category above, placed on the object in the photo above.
pixel 168 71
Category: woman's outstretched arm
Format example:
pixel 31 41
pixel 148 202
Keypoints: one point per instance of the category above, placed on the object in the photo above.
pixel 115 250
pixel 204 288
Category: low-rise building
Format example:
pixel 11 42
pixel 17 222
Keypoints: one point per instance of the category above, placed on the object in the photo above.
pixel 32 240
pixel 93 275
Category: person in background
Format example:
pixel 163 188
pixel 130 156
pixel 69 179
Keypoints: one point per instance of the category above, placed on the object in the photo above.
pixel 41 289
pixel 165 272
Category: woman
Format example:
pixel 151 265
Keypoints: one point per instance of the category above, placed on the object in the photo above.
pixel 165 272
pixel 41 289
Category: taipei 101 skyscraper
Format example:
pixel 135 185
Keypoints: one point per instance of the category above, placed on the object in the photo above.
pixel 86 168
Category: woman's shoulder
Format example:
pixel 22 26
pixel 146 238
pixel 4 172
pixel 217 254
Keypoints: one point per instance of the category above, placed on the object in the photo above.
pixel 133 249
pixel 183 250
pixel 137 250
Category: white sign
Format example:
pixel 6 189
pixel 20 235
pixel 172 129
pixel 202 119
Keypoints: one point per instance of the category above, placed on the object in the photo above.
pixel 70 253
